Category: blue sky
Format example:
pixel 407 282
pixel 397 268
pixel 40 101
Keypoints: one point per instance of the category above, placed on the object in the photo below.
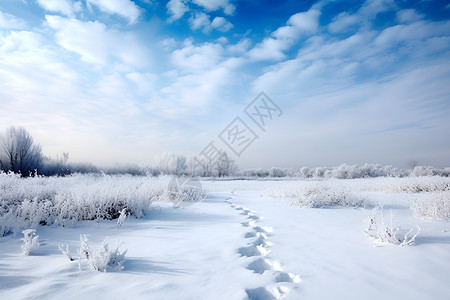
pixel 122 81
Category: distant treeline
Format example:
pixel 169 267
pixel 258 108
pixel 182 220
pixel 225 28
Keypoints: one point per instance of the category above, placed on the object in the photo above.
pixel 345 171
pixel 170 167
pixel 19 154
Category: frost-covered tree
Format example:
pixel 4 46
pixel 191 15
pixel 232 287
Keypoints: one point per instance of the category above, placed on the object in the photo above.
pixel 224 166
pixel 169 163
pixel 18 152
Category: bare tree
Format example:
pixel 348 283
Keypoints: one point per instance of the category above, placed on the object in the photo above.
pixel 224 166
pixel 169 163
pixel 18 152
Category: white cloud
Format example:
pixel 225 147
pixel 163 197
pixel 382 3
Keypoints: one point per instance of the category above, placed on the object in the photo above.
pixel 372 7
pixel 124 8
pixel 221 24
pixel 282 39
pixel 409 15
pixel 305 22
pixel 8 21
pixel 368 11
pixel 241 47
pixel 410 33
pixel 363 56
pixel 213 5
pixel 193 58
pixel 200 20
pixel 98 45
pixel 343 22
pixel 65 7
pixel 176 8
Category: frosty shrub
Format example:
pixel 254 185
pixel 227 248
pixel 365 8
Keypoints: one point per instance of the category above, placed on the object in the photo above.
pixel 435 206
pixel 385 233
pixel 107 258
pixel 419 185
pixel 30 241
pixel 29 202
pixel 184 190
pixel 104 259
pixel 321 194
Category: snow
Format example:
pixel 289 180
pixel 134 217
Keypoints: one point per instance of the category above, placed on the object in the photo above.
pixel 241 242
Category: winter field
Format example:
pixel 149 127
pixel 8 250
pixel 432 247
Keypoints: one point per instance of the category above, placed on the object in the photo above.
pixel 374 238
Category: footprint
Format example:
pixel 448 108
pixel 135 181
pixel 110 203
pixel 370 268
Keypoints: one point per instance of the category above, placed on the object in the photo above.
pixel 253 250
pixel 252 216
pixel 263 229
pixel 250 234
pixel 249 223
pixel 286 277
pixel 261 240
pixel 263 264
pixel 260 293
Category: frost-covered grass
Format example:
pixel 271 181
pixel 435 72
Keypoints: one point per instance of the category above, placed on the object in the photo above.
pixel 29 202
pixel 419 184
pixel 435 206
pixel 320 194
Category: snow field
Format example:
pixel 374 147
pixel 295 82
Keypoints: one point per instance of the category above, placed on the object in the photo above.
pixel 244 241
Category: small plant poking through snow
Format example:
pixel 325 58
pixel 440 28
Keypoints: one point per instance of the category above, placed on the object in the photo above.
pixel 106 258
pixel 65 251
pixel 84 250
pixel 122 216
pixel 30 241
pixel 383 233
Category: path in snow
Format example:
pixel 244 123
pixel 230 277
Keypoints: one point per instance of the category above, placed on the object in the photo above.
pixel 258 248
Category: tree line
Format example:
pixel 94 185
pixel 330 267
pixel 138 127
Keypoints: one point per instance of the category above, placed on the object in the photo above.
pixel 20 154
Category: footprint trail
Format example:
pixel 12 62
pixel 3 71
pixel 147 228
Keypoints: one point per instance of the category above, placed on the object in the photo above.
pixel 257 248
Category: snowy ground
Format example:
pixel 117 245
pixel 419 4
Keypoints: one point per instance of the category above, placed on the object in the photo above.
pixel 241 242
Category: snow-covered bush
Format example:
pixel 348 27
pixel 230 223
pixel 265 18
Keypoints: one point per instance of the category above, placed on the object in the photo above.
pixel 184 190
pixel 435 206
pixel 30 241
pixel 419 185
pixel 321 194
pixel 105 258
pixel 29 202
pixel 385 233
